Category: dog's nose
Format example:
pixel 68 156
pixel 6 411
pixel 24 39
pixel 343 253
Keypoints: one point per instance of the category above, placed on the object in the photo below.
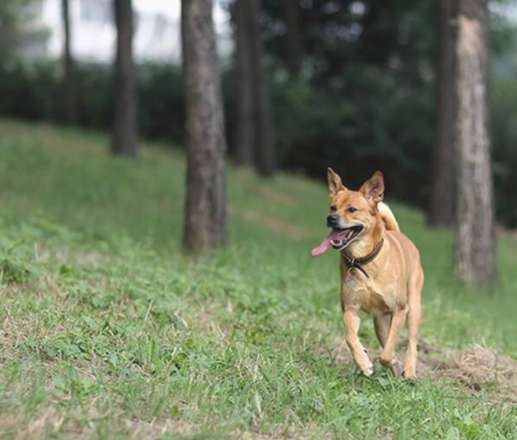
pixel 332 220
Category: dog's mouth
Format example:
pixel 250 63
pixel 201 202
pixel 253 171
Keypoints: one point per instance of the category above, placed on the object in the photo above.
pixel 339 239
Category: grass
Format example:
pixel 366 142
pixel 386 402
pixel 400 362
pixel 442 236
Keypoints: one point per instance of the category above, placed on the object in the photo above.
pixel 106 331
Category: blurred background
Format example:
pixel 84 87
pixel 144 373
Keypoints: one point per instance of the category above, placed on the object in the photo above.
pixel 352 84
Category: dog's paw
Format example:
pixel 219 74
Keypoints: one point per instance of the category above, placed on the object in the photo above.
pixel 410 375
pixel 409 369
pixel 368 371
pixel 396 368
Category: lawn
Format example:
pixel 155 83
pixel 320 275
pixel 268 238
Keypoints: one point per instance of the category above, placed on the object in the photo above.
pixel 106 331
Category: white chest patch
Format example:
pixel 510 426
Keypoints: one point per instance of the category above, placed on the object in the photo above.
pixel 350 282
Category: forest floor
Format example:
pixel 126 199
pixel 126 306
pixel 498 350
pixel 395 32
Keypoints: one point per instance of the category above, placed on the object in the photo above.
pixel 106 331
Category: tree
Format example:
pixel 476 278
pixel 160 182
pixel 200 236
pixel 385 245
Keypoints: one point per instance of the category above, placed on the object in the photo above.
pixel 293 37
pixel 205 206
pixel 441 208
pixel 125 131
pixel 70 92
pixel 244 124
pixel 264 137
pixel 475 232
pixel 254 139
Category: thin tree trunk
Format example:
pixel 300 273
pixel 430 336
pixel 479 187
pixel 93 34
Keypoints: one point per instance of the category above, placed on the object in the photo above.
pixel 293 37
pixel 265 148
pixel 70 92
pixel 441 208
pixel 205 206
pixel 125 132
pixel 245 124
pixel 475 232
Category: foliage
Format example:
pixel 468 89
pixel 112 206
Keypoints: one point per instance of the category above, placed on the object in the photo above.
pixel 17 26
pixel 117 336
pixel 364 99
pixel 33 91
pixel 504 138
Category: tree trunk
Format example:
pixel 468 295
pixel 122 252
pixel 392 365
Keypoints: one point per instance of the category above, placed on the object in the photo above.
pixel 475 232
pixel 245 121
pixel 441 208
pixel 265 149
pixel 293 37
pixel 70 93
pixel 205 206
pixel 125 132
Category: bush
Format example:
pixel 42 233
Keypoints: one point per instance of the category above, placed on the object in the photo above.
pixel 33 91
pixel 504 140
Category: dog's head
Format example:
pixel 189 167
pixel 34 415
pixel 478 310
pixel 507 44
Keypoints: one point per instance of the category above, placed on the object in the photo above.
pixel 353 214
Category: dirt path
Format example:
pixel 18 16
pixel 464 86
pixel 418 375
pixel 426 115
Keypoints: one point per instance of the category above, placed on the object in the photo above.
pixel 477 368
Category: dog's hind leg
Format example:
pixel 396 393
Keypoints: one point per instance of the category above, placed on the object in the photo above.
pixel 387 357
pixel 382 327
pixel 414 315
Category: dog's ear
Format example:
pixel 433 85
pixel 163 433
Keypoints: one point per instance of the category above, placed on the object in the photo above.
pixel 373 188
pixel 334 182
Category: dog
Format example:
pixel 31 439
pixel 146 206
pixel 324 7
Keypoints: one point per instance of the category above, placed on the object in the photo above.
pixel 381 272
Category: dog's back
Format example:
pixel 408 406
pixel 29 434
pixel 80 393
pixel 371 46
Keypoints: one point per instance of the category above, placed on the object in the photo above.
pixel 388 217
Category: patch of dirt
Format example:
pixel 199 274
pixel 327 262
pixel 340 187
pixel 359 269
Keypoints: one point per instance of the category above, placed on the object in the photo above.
pixel 274 224
pixel 276 196
pixel 19 429
pixel 65 255
pixel 477 368
pixel 50 420
pixel 14 330
pixel 506 232
pixel 157 428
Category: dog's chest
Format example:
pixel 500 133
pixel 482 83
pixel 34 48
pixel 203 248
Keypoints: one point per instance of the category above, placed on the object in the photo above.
pixel 368 295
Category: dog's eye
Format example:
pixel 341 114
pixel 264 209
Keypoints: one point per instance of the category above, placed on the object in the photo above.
pixel 351 209
pixel 333 208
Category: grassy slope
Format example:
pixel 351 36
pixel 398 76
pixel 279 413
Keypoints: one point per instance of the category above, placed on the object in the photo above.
pixel 106 331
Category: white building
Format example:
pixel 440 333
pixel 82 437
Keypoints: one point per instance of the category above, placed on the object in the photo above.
pixel 157 30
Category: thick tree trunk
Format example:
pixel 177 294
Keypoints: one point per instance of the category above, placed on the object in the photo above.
pixel 245 121
pixel 441 208
pixel 293 37
pixel 70 92
pixel 125 132
pixel 475 232
pixel 205 206
pixel 265 148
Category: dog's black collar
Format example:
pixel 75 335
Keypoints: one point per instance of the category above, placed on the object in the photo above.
pixel 357 263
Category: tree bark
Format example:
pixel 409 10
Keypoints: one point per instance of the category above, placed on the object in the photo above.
pixel 70 92
pixel 245 121
pixel 205 205
pixel 475 232
pixel 293 37
pixel 265 149
pixel 441 207
pixel 125 131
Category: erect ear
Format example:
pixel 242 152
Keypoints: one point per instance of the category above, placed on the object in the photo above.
pixel 373 188
pixel 334 181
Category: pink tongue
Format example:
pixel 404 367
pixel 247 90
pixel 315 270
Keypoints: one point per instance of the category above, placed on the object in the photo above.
pixel 325 244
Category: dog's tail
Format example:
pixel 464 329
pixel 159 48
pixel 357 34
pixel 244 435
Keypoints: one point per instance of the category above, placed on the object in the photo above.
pixel 388 218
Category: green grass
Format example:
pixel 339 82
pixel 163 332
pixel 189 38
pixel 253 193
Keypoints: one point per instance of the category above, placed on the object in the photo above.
pixel 106 331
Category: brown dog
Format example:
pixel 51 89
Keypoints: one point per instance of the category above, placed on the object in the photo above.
pixel 381 272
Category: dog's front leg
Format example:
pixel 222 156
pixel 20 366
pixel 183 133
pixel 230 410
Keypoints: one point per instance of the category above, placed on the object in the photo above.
pixel 351 321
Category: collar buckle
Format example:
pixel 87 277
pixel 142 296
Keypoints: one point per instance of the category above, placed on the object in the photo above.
pixel 357 263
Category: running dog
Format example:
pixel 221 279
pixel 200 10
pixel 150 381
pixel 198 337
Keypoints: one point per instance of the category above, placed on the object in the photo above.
pixel 381 273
